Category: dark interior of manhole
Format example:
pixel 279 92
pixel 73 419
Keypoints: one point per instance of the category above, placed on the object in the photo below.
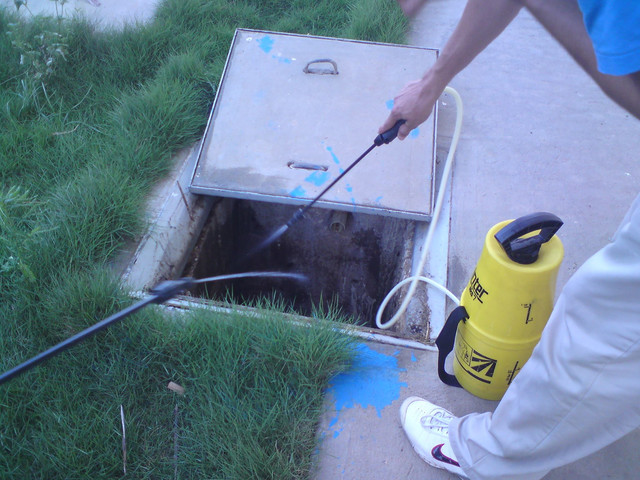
pixel 351 259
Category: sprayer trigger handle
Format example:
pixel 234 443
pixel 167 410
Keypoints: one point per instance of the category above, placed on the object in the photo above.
pixel 389 135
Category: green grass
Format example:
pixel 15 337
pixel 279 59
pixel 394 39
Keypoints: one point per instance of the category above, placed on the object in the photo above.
pixel 253 395
pixel 90 121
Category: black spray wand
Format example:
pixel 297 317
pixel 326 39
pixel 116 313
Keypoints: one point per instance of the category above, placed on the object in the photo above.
pixel 382 139
pixel 160 294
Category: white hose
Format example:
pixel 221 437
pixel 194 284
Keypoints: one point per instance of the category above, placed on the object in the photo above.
pixel 434 220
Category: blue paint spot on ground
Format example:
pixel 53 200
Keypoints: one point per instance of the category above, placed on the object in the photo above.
pixel 373 380
pixel 378 200
pixel 389 104
pixel 414 133
pixel 298 192
pixel 281 59
pixel 349 188
pixel 333 155
pixel 318 177
pixel 413 357
pixel 266 43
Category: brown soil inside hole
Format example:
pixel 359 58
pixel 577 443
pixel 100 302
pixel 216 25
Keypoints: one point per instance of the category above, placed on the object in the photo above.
pixel 352 269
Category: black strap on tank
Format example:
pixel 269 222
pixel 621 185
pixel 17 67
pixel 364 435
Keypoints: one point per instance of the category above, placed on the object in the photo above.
pixel 444 342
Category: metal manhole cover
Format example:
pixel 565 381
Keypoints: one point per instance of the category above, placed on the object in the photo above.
pixel 293 111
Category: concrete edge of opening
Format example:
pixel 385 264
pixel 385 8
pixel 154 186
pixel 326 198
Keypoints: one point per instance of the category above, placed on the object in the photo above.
pixel 176 218
pixel 186 303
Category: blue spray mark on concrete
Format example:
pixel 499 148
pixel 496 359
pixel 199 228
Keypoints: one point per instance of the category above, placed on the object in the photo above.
pixel 333 155
pixel 281 59
pixel 298 192
pixel 378 199
pixel 413 357
pixel 318 177
pixel 373 380
pixel 335 158
pixel 337 431
pixel 389 104
pixel 266 43
pixel 349 189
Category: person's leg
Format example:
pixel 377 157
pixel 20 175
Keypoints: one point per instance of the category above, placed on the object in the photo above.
pixel 579 390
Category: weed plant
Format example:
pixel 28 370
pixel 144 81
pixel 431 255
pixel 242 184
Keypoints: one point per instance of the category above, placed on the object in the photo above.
pixel 90 119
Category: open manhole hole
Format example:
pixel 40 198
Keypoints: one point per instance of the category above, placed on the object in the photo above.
pixel 351 260
pixel 281 128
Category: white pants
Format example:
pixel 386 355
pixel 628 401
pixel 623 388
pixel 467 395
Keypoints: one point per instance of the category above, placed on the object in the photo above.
pixel 580 390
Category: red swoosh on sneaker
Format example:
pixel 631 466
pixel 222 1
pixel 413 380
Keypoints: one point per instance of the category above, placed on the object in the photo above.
pixel 436 452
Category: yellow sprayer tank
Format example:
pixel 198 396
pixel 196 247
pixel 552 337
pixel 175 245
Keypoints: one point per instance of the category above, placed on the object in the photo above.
pixel 505 306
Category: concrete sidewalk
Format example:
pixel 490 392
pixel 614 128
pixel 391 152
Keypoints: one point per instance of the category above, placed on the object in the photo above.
pixel 361 436
pixel 538 135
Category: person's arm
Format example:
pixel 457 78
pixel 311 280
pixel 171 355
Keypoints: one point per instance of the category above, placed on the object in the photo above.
pixel 481 22
pixel 563 20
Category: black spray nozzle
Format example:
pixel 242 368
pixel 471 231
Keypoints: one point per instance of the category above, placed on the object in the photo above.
pixel 389 135
pixel 383 138
pixel 299 215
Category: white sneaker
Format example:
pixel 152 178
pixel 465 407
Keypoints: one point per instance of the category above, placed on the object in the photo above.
pixel 427 427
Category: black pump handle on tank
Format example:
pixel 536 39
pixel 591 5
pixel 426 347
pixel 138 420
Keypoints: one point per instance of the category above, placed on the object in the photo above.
pixel 525 250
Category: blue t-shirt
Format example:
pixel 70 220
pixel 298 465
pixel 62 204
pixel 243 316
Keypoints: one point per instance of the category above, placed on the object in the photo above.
pixel 614 28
